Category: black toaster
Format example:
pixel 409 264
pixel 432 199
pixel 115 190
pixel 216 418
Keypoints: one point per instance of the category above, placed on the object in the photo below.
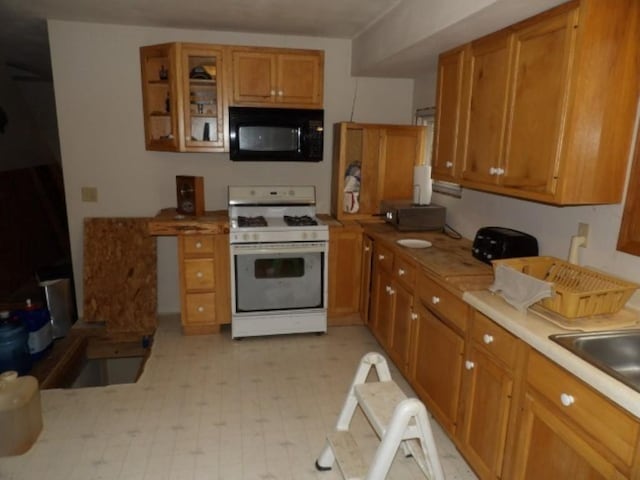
pixel 493 243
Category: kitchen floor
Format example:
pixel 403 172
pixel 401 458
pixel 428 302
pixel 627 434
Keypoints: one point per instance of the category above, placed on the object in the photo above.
pixel 208 407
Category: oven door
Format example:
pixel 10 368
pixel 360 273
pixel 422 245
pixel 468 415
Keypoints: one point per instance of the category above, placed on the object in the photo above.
pixel 277 277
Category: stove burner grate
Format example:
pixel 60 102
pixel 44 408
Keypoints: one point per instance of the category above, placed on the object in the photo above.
pixel 301 221
pixel 252 221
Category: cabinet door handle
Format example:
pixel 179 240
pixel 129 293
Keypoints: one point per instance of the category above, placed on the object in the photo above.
pixel 200 309
pixel 198 244
pixel 414 316
pixel 380 257
pixel 486 338
pixel 366 249
pixel 280 93
pixel 448 164
pixel 499 171
pixel 391 291
pixel 567 400
pixel 199 274
pixel 272 92
pixel 469 365
pixel 493 171
pixel 388 289
pixel 435 300
pixel 401 272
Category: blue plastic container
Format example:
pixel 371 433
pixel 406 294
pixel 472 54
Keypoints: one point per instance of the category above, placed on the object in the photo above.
pixel 38 323
pixel 14 348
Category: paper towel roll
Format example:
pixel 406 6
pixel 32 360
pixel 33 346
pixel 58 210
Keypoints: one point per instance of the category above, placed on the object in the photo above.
pixel 422 184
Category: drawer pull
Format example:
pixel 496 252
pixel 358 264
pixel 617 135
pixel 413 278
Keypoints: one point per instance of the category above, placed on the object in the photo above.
pixel 401 272
pixel 469 365
pixel 566 399
pixel 199 274
pixel 200 309
pixel 198 244
pixel 414 316
pixel 448 164
pixel 435 300
pixel 486 338
pixel 380 257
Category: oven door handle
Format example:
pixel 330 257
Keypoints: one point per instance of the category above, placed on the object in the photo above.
pixel 289 248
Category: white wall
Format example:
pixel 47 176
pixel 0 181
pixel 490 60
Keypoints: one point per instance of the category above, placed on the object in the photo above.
pixel 96 75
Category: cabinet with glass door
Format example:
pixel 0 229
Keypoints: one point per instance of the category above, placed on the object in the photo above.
pixel 187 115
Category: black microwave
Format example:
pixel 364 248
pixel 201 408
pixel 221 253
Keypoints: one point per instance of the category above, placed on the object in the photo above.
pixel 276 134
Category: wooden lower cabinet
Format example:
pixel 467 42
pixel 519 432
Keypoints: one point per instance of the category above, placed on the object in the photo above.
pixel 436 366
pixel 567 430
pixel 382 308
pixel 204 283
pixel 345 264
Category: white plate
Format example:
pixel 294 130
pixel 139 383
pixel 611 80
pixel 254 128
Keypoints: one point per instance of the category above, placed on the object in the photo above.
pixel 414 243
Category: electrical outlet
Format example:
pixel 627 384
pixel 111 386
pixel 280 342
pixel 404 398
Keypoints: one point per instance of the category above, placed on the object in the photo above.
pixel 89 194
pixel 583 231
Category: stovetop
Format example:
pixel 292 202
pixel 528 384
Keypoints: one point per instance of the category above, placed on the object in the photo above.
pixel 274 214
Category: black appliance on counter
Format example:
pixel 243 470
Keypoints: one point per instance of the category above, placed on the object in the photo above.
pixel 494 243
pixel 408 216
pixel 276 134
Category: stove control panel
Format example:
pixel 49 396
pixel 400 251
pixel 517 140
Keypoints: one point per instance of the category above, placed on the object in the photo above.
pixel 280 236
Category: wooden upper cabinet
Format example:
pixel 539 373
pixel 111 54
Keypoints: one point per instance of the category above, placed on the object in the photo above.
pixel 447 153
pixel 384 157
pixel 488 69
pixel 183 97
pixel 548 105
pixel 159 96
pixel 272 77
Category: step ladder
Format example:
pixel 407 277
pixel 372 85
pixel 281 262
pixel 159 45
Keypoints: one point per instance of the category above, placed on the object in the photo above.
pixel 396 419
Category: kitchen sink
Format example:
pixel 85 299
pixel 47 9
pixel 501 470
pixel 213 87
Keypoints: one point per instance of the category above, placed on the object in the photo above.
pixel 614 352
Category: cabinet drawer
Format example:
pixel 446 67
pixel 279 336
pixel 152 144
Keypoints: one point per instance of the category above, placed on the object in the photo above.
pixel 494 338
pixel 199 274
pixel 197 244
pixel 404 271
pixel 383 257
pixel 440 300
pixel 200 308
pixel 607 424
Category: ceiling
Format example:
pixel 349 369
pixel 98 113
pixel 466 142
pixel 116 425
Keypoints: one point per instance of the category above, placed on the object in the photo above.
pixel 382 45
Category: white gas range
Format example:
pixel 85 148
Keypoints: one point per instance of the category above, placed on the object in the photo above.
pixel 279 257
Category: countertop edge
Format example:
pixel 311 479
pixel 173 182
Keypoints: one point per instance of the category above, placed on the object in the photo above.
pixel 535 331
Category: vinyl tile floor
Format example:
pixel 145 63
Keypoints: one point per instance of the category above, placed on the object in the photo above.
pixel 208 407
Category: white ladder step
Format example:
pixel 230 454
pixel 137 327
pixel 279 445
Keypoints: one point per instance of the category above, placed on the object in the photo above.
pixel 348 455
pixel 378 400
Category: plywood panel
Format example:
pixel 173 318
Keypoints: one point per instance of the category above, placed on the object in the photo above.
pixel 120 281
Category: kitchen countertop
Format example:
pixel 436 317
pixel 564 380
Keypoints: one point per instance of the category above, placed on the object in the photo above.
pixel 448 258
pixel 169 222
pixel 535 331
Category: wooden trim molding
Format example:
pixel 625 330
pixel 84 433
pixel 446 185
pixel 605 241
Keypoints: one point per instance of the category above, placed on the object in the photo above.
pixel 629 236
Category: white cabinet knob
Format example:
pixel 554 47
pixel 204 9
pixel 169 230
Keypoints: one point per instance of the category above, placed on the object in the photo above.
pixel 387 288
pixel 486 338
pixel 448 164
pixel 469 365
pixel 435 300
pixel 198 244
pixel 200 309
pixel 380 257
pixel 493 171
pixel 199 274
pixel 567 400
pixel 391 291
pixel 401 272
pixel 366 249
pixel 280 93
pixel 499 171
pixel 272 92
pixel 414 316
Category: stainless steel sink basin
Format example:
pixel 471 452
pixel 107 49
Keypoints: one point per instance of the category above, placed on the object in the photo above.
pixel 614 352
